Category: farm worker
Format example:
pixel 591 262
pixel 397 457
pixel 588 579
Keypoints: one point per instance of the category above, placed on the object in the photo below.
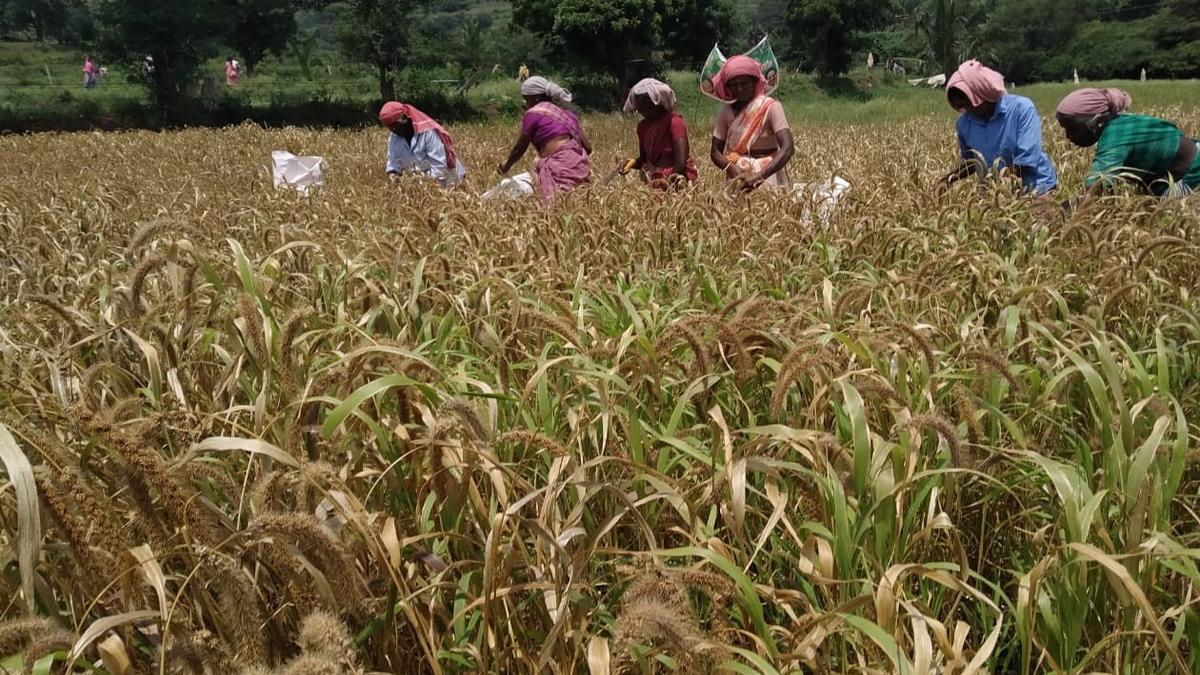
pixel 232 73
pixel 751 140
pixel 522 73
pixel 418 144
pixel 89 72
pixel 1149 152
pixel 148 68
pixel 996 130
pixel 562 148
pixel 664 156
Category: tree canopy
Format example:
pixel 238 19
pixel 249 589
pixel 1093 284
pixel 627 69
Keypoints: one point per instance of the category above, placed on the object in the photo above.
pixel 261 26
pixel 379 32
pixel 829 31
pixel 617 37
pixel 613 42
pixel 177 34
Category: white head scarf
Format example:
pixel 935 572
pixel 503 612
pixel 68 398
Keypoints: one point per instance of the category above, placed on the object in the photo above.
pixel 660 94
pixel 540 86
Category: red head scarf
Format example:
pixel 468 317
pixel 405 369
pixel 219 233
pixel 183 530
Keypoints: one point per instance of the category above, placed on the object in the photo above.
pixel 978 82
pixel 393 112
pixel 739 66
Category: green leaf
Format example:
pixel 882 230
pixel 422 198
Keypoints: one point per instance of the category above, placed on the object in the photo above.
pixel 759 665
pixel 1162 365
pixel 1143 457
pixel 1113 374
pixel 245 273
pixel 29 523
pixel 860 437
pixel 1179 453
pixel 418 276
pixel 879 636
pixel 746 588
pixel 368 390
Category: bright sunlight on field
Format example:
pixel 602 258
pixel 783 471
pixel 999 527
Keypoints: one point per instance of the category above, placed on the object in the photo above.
pixel 410 431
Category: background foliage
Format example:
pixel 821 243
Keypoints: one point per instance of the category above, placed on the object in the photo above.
pixel 599 48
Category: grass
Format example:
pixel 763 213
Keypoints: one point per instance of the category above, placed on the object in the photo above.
pixel 405 430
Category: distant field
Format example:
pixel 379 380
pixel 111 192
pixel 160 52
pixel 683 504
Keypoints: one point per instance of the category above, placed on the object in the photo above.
pixel 40 80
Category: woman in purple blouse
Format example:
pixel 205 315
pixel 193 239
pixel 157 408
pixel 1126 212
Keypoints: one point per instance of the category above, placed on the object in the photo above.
pixel 562 148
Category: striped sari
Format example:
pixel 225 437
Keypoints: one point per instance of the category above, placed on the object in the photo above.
pixel 744 132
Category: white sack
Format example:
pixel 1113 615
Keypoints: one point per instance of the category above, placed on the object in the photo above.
pixel 520 185
pixel 299 173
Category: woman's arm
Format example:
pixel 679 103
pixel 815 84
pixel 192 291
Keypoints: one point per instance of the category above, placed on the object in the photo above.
pixel 395 165
pixel 583 140
pixel 717 153
pixel 640 161
pixel 679 145
pixel 518 151
pixel 965 168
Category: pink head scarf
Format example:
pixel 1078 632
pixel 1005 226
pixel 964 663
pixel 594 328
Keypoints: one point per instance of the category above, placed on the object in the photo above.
pixel 739 66
pixel 978 82
pixel 393 112
pixel 660 94
pixel 1092 103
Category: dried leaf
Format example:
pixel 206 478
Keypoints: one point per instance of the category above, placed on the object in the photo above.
pixel 29 523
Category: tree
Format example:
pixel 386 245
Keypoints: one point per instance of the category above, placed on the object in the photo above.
pixel 607 35
pixel 617 37
pixel 1177 38
pixel 535 15
pixel 691 27
pixel 949 30
pixel 67 21
pixel 512 45
pixel 378 32
pixel 261 26
pixel 828 31
pixel 79 24
pixel 770 17
pixel 177 34
pixel 1023 37
pixel 302 47
pixel 1105 49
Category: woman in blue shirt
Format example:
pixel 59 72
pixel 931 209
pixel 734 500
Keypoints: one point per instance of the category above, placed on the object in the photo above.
pixel 997 131
pixel 419 144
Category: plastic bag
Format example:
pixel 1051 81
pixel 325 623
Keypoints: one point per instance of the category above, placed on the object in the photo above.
pixel 761 52
pixel 520 185
pixel 820 199
pixel 296 172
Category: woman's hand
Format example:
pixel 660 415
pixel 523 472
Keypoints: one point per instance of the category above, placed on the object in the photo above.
pixel 1047 211
pixel 739 170
pixel 502 168
pixel 942 186
pixel 753 182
